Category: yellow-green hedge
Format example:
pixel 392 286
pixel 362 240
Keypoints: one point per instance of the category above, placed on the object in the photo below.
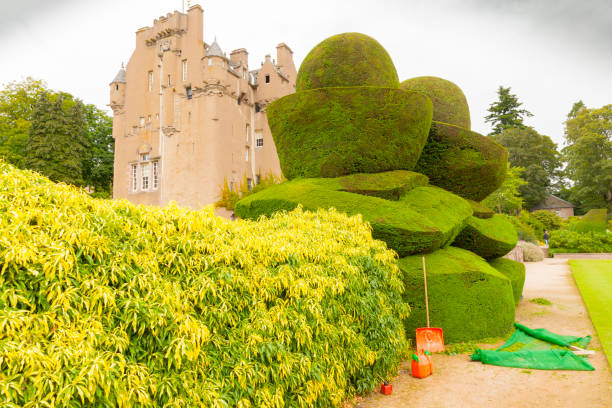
pixel 108 304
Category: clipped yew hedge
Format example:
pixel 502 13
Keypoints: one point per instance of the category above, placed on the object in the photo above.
pixel 593 221
pixel 333 132
pixel 480 211
pixel 489 238
pixel 463 162
pixel 468 298
pixel 423 220
pixel 107 304
pixel 515 271
pixel 348 59
pixel 449 102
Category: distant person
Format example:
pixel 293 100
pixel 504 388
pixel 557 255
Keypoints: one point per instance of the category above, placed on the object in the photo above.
pixel 546 237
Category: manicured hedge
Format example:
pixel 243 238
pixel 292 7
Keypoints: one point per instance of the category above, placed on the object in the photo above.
pixel 425 219
pixel 563 241
pixel 489 238
pixel 515 271
pixel 463 162
pixel 107 304
pixel 334 132
pixel 480 211
pixel 349 59
pixel 449 102
pixel 593 221
pixel 468 298
pixel 390 185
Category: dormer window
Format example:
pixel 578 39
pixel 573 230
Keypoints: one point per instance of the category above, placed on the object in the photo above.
pixel 184 70
pixel 267 79
pixel 209 62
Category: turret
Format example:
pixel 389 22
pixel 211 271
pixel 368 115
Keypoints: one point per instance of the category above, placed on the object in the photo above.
pixel 117 91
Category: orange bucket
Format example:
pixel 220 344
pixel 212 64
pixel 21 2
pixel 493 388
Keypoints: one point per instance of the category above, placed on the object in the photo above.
pixel 422 366
pixel 429 338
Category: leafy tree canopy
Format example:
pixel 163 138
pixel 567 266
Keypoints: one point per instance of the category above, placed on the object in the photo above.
pixel 505 112
pixel 588 154
pixel 507 199
pixel 538 155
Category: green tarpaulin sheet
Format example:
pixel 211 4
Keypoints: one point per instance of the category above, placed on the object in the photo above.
pixel 538 349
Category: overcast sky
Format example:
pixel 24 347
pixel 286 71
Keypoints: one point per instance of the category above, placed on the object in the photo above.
pixel 551 52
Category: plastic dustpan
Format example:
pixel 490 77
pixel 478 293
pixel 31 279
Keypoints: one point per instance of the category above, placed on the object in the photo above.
pixel 429 338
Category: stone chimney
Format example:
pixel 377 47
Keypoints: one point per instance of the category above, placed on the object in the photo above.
pixel 240 55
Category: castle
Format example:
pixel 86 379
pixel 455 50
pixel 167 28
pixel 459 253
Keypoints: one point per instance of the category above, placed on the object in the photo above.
pixel 186 117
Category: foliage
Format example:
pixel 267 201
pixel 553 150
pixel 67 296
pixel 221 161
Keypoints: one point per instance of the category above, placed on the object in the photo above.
pixel 594 281
pixel 228 197
pixel 104 303
pixel 468 298
pixel 549 219
pixel 449 103
pixel 538 155
pixel 524 231
pixel 463 162
pixel 479 210
pixel 57 142
pixel 507 199
pixel 564 241
pixel 349 59
pixel 505 112
pixel 531 252
pixel 538 227
pixel 515 271
pixel 489 238
pixel 390 185
pixel 333 132
pixel 17 103
pixel 593 221
pixel 425 219
pixel 541 301
pixel 588 153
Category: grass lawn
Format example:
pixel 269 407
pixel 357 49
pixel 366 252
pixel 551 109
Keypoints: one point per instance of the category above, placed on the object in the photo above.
pixel 594 279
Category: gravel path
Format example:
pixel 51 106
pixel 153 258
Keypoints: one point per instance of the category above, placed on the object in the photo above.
pixel 458 382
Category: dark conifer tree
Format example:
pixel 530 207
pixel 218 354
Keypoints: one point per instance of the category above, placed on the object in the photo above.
pixel 505 112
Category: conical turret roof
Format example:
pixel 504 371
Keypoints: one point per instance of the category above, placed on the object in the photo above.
pixel 120 77
pixel 214 50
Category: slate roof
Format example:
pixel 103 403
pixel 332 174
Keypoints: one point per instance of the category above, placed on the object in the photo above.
pixel 120 77
pixel 551 202
pixel 214 50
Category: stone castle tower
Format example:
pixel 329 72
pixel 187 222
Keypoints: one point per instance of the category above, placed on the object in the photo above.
pixel 186 117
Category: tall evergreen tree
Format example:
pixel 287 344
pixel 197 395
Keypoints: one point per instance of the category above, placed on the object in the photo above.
pixel 99 160
pixel 505 112
pixel 57 140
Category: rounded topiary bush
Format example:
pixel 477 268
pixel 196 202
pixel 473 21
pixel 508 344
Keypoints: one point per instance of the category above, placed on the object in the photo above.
pixel 332 132
pixel 349 59
pixel 468 298
pixel 515 271
pixel 449 102
pixel 463 162
pixel 490 238
pixel 105 303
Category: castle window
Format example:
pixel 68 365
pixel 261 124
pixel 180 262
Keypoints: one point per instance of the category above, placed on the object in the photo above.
pixel 155 175
pixel 189 93
pixel 259 142
pixel 257 179
pixel 168 80
pixel 142 121
pixel 184 70
pixel 249 184
pixel 267 79
pixel 257 107
pixel 209 61
pixel 247 154
pixel 247 133
pixel 150 81
pixel 116 87
pixel 144 156
pixel 134 177
pixel 244 73
pixel 145 176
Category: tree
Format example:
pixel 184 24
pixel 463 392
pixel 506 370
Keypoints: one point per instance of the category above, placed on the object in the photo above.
pixel 505 112
pixel 507 199
pixel 538 155
pixel 588 154
pixel 57 140
pixel 99 160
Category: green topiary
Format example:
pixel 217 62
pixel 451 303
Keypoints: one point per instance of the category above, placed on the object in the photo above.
pixel 563 241
pixel 450 104
pixel 349 59
pixel 593 221
pixel 462 161
pixel 333 132
pixel 391 185
pixel 468 298
pixel 425 219
pixel 480 211
pixel 489 238
pixel 515 271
